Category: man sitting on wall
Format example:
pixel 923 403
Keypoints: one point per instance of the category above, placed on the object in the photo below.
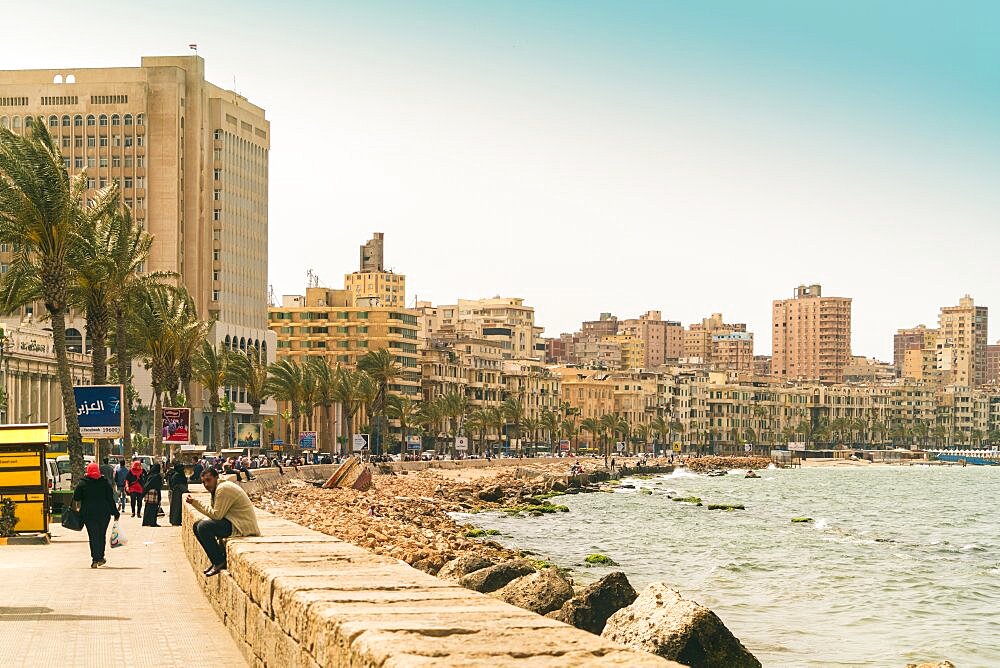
pixel 230 513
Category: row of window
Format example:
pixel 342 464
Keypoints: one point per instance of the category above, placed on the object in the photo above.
pixel 77 121
pixel 93 142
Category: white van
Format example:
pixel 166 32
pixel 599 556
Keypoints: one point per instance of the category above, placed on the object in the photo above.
pixel 55 481
pixel 65 473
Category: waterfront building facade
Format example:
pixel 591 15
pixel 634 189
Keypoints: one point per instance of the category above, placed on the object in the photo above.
pixel 963 330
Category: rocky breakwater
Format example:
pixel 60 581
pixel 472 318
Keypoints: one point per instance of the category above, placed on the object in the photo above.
pixel 716 463
pixel 407 517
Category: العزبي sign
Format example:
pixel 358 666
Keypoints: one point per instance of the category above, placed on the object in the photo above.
pixel 307 440
pixel 176 425
pixel 360 442
pixel 23 474
pixel 99 410
pixel 461 443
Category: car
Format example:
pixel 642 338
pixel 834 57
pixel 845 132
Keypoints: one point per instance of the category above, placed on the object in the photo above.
pixel 65 474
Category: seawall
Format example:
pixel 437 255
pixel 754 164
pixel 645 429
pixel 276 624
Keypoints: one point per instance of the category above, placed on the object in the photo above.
pixel 297 597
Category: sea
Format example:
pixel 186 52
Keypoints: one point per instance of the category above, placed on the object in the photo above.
pixel 900 563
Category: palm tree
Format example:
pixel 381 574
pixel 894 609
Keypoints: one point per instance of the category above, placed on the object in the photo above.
pixel 513 412
pixel 550 423
pixel 569 431
pixel 659 427
pixel 129 250
pixel 498 420
pixel 479 423
pixel 531 426
pixel 383 368
pixel 352 389
pixel 608 424
pixel 40 217
pixel 211 370
pixel 249 370
pixel 324 376
pixel 454 405
pixel 594 427
pixel 189 338
pixel 406 411
pixel 285 382
pixel 429 418
pixel 976 438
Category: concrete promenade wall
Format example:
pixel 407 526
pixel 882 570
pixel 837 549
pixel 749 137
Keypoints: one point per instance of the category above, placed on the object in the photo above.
pixel 298 598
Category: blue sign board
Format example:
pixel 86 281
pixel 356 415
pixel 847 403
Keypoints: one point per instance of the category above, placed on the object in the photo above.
pixel 99 410
pixel 307 440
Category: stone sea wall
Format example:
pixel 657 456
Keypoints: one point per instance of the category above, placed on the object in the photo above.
pixel 299 598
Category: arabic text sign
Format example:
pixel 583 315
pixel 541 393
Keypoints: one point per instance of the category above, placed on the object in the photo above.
pixel 99 410
pixel 176 425
pixel 307 439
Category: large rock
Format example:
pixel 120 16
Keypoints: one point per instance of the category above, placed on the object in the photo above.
pixel 490 579
pixel 541 592
pixel 491 494
pixel 663 623
pixel 462 566
pixel 589 610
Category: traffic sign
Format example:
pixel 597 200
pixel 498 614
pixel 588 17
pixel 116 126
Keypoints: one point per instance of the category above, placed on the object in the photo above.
pixel 360 442
pixel 620 446
pixel 747 448
pixel 677 446
pixel 461 443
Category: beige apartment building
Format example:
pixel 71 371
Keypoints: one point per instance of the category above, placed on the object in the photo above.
pixel 811 336
pixel 911 338
pixel 191 159
pixel 633 350
pixel 963 329
pixel 662 340
pixel 372 281
pixel 505 320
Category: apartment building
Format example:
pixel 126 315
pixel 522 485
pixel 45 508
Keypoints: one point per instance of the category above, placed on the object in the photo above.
pixel 534 385
pixel 912 338
pixel 506 320
pixel 372 281
pixel 963 329
pixel 191 159
pixel 662 340
pixel 811 336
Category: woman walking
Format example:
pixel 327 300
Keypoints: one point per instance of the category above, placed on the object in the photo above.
pixel 135 484
pixel 151 499
pixel 97 507
pixel 178 484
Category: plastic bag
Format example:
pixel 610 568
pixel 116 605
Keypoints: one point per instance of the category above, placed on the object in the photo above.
pixel 118 536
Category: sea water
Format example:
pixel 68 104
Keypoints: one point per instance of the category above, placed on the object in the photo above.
pixel 899 564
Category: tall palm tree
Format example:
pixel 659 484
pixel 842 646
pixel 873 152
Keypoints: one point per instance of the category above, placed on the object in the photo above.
pixel 353 389
pixel 513 411
pixel 129 249
pixel 608 424
pixel 551 423
pixel 594 428
pixel 249 370
pixel 152 337
pixel 569 430
pixel 324 375
pixel 530 426
pixel 40 216
pixel 382 367
pixel 478 422
pixel 429 418
pixel 211 370
pixel 406 411
pixel 285 382
pixel 499 421
pixel 454 406
pixel 660 427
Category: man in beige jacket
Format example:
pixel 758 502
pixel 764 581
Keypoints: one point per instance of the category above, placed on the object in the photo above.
pixel 229 514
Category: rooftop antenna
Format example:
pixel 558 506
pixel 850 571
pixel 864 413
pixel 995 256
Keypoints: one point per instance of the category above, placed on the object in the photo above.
pixel 193 47
pixel 271 301
pixel 312 279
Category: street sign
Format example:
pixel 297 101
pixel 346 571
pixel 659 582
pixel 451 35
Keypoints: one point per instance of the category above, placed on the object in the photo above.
pixel 461 443
pixel 360 442
pixel 307 440
pixel 747 448
pixel 797 446
pixel 677 446
pixel 564 445
pixel 620 446
pixel 99 410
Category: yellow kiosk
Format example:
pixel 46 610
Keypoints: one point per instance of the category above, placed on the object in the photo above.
pixel 22 474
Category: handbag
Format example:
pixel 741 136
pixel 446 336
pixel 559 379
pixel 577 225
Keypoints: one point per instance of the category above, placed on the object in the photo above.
pixel 71 519
pixel 151 497
pixel 117 536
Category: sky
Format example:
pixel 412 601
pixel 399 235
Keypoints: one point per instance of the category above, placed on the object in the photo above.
pixel 686 157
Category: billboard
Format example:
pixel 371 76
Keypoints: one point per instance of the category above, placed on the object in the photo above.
pixel 176 425
pixel 307 439
pixel 248 435
pixel 99 410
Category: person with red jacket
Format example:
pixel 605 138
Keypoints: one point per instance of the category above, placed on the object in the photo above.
pixel 135 484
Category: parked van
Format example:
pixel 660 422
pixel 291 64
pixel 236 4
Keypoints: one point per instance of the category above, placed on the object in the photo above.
pixel 65 473
pixel 55 481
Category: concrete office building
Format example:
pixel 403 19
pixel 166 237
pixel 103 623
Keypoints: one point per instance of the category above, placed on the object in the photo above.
pixel 811 336
pixel 192 162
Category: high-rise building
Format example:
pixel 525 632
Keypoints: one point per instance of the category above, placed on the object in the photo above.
pixel 506 320
pixel 716 344
pixel 963 329
pixel 372 281
pixel 662 340
pixel 913 338
pixel 993 363
pixel 191 159
pixel 811 336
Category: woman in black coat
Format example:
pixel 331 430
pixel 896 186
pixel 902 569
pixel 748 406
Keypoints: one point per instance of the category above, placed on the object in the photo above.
pixel 151 497
pixel 178 485
pixel 97 507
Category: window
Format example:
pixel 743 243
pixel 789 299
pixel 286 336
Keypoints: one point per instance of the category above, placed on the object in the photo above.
pixel 91 162
pixel 103 183
pixel 65 121
pixel 91 142
pixel 217 215
pixel 53 121
pixel 115 141
pixel 128 181
pixel 116 119
pixel 28 120
pixel 65 142
pixel 140 161
pixel 215 274
pixel 78 120
pixel 91 120
pixel 217 194
pixel 66 163
pixel 91 184
pixel 140 202
pixel 215 295
pixel 116 161
pixel 128 141
pixel 78 163
pixel 140 182
pixel 104 162
pixel 128 161
pixel 139 141
pixel 216 254
pixel 217 134
pixel 104 142
pixel 103 120
pixel 217 235
pixel 128 119
pixel 140 120
pixel 217 174
pixel 78 142
pixel 4 267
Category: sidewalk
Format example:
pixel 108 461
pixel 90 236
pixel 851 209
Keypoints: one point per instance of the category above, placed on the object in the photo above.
pixel 144 608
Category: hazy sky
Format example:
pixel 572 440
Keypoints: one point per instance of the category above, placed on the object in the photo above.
pixel 690 157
